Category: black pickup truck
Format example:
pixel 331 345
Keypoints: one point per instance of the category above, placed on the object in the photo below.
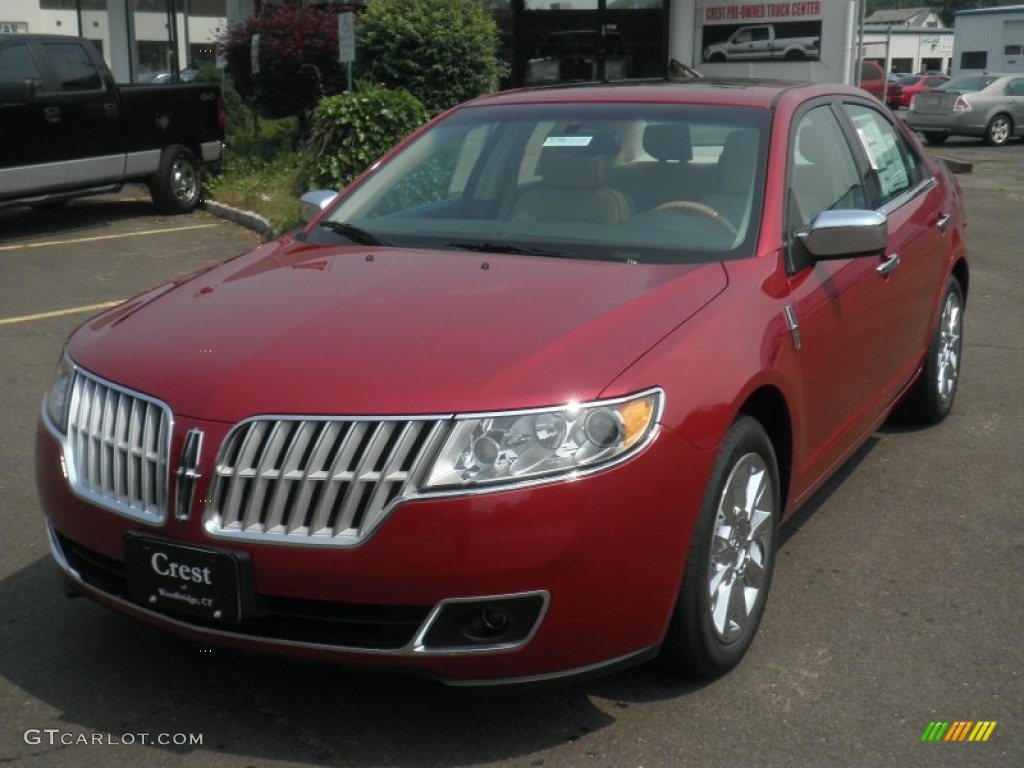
pixel 67 130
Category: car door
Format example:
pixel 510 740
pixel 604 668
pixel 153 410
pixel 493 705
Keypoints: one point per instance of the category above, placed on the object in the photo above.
pixel 84 107
pixel 838 311
pixel 1015 99
pixel 919 247
pixel 30 153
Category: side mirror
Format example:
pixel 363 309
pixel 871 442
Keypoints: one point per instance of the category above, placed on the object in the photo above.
pixel 17 91
pixel 845 234
pixel 313 203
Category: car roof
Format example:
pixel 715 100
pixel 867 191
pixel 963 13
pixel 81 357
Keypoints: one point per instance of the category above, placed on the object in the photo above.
pixel 702 91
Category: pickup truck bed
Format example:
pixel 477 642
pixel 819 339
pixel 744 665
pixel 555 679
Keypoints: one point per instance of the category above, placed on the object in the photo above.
pixel 66 129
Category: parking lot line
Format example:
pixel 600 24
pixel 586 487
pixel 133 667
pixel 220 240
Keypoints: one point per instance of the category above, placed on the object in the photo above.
pixel 22 246
pixel 59 313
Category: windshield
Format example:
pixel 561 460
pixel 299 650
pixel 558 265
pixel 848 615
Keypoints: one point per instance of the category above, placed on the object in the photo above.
pixel 968 83
pixel 648 183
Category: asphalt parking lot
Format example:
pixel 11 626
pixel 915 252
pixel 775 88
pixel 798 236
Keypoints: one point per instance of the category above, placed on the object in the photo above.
pixel 896 602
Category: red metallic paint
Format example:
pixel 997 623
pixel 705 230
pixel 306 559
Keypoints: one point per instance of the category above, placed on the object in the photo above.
pixel 391 331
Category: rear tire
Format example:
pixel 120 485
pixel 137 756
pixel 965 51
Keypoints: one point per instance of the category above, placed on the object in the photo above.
pixel 998 131
pixel 176 186
pixel 931 398
pixel 729 568
pixel 935 137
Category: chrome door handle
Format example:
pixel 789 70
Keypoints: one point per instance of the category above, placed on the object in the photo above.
pixel 944 222
pixel 888 265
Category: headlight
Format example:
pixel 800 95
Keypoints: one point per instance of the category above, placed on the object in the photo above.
pixel 504 448
pixel 59 396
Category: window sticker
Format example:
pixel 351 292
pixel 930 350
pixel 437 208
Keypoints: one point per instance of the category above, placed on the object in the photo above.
pixel 884 155
pixel 568 141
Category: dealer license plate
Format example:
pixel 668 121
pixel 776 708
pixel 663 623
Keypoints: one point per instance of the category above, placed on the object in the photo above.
pixel 177 578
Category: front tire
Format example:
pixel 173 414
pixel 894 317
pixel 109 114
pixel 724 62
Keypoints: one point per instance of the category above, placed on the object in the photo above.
pixel 931 398
pixel 176 186
pixel 729 568
pixel 998 131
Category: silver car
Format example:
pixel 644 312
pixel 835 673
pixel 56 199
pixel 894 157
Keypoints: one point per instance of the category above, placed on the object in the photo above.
pixel 989 106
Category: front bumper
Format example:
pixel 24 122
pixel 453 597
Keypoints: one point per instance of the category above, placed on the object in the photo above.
pixel 603 554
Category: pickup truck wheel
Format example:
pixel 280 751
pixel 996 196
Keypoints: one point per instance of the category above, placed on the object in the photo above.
pixel 729 568
pixel 176 186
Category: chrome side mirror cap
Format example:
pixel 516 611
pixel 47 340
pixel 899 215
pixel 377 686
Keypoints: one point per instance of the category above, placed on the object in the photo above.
pixel 314 203
pixel 845 234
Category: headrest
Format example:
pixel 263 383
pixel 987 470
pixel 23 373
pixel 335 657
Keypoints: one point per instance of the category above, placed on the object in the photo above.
pixel 739 156
pixel 810 145
pixel 668 142
pixel 574 159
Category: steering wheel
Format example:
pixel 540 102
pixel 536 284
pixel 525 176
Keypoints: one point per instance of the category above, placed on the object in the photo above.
pixel 689 206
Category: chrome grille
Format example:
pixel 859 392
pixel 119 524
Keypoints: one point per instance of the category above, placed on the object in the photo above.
pixel 117 446
pixel 317 481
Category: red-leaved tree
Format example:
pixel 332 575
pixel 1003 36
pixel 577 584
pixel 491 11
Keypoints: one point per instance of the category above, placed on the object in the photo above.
pixel 298 58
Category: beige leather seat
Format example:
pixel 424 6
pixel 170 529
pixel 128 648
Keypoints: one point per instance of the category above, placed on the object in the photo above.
pixel 571 189
pixel 736 167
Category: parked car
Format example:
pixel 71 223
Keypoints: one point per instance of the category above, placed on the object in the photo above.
pixel 873 79
pixel 531 398
pixel 575 55
pixel 988 106
pixel 759 41
pixel 906 87
pixel 69 130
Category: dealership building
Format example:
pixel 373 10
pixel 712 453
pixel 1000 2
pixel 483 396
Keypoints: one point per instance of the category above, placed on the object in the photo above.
pixel 543 41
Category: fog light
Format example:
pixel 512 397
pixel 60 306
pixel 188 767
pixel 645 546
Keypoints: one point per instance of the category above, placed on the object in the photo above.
pixel 485 625
pixel 482 623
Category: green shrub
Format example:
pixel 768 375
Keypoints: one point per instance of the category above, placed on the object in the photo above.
pixel 441 51
pixel 352 130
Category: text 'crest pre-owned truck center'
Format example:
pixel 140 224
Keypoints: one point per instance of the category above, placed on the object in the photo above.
pixel 67 130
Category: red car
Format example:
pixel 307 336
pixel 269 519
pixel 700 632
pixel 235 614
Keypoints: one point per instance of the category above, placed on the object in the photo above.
pixel 873 79
pixel 531 398
pixel 903 90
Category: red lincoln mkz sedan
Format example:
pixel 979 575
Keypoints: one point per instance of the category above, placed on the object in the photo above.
pixel 531 398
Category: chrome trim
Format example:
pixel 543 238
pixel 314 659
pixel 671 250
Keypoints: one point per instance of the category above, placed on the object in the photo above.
pixel 793 325
pixel 419 648
pixel 188 473
pixel 317 480
pixel 625 660
pixel 888 265
pixel 408 650
pixel 125 463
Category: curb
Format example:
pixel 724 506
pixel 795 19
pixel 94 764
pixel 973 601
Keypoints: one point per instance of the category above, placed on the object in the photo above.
pixel 247 219
pixel 956 166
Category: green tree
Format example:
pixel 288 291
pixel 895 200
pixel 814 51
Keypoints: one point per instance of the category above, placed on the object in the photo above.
pixel 443 52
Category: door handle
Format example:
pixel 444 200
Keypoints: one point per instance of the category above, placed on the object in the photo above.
pixel 943 223
pixel 52 114
pixel 111 110
pixel 888 265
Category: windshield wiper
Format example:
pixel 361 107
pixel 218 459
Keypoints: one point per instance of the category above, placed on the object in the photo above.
pixel 354 233
pixel 523 250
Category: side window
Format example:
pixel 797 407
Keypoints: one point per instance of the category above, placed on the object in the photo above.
pixel 16 63
pixel 73 68
pixel 1016 87
pixel 822 173
pixel 897 167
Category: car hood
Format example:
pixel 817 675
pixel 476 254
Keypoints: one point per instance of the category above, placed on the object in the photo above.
pixel 299 329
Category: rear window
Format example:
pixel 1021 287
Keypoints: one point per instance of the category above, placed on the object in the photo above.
pixel 969 83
